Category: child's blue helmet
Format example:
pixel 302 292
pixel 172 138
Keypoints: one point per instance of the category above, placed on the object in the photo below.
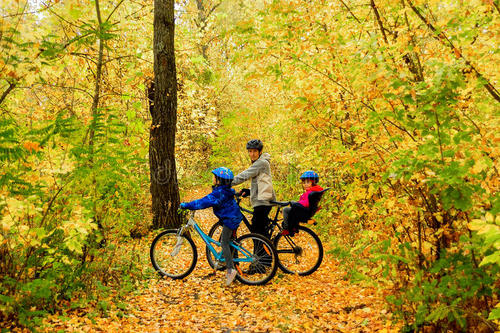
pixel 223 173
pixel 309 174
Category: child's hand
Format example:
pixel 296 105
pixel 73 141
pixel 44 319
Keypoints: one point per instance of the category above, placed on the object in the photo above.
pixel 182 209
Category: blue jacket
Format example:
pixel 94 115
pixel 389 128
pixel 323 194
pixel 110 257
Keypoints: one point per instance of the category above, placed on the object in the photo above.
pixel 223 203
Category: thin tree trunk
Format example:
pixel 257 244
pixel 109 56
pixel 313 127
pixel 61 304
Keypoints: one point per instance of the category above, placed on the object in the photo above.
pixel 164 188
pixel 95 112
pixel 98 76
pixel 204 14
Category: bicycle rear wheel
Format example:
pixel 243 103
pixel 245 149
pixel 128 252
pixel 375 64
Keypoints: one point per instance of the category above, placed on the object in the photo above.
pixel 173 255
pixel 301 254
pixel 262 268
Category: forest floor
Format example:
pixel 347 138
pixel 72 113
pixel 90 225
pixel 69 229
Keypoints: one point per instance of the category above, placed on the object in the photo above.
pixel 323 301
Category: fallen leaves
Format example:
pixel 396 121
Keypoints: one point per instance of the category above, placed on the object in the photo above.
pixel 323 301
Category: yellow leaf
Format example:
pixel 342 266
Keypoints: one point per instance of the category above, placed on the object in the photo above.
pixel 479 166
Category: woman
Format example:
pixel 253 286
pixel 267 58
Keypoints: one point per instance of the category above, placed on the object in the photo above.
pixel 261 188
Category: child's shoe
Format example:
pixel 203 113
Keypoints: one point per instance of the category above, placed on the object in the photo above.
pixel 230 275
pixel 290 232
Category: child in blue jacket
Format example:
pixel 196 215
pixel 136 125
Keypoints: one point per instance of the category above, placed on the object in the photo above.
pixel 226 209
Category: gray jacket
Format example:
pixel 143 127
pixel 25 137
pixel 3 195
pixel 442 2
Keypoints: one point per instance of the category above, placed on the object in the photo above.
pixel 261 188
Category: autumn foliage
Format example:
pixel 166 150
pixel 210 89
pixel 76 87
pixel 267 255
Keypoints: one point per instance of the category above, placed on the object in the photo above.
pixel 394 103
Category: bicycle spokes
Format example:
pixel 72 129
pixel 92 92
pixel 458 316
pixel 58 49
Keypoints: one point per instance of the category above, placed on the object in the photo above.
pixel 257 267
pixel 177 246
pixel 173 255
pixel 301 254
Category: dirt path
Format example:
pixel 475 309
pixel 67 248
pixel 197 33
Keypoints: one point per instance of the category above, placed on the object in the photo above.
pixel 323 301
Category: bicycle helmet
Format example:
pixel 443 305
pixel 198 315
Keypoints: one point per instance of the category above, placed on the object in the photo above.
pixel 223 173
pixel 309 174
pixel 255 144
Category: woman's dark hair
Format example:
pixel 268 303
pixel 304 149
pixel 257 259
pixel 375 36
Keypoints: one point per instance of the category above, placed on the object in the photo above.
pixel 255 144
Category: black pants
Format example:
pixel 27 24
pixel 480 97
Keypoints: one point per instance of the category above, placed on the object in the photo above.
pixel 293 215
pixel 260 220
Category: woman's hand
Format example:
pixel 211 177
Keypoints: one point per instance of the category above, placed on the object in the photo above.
pixel 244 192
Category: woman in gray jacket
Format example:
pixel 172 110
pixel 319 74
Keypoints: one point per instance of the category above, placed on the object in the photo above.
pixel 261 188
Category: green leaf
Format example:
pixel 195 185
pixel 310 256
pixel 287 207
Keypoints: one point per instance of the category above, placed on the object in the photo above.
pixel 130 114
pixel 494 314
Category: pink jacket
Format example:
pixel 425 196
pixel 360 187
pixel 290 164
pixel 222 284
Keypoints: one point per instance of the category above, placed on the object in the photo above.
pixel 304 198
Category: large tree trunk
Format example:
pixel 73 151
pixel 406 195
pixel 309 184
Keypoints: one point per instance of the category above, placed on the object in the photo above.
pixel 164 188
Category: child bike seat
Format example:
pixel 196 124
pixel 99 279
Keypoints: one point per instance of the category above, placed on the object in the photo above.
pixel 314 199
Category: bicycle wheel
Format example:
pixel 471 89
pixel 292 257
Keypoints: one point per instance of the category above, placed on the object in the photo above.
pixel 173 255
pixel 262 268
pixel 301 254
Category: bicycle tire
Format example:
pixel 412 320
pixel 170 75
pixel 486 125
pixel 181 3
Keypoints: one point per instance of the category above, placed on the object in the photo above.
pixel 167 260
pixel 265 265
pixel 308 247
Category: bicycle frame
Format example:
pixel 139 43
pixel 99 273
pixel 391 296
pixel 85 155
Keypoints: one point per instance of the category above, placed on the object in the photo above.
pixel 273 222
pixel 191 223
pixel 272 225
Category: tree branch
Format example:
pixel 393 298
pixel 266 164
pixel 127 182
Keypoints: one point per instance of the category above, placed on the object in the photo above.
pixel 379 21
pixel 445 40
pixel 114 10
pixel 350 11
pixel 401 128
pixel 7 91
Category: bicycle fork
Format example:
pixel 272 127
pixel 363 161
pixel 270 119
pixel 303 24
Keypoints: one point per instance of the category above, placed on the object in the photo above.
pixel 178 244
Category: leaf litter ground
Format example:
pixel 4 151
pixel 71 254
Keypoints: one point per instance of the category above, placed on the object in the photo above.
pixel 323 301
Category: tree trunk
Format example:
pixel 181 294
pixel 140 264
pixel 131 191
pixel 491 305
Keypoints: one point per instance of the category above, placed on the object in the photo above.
pixel 97 89
pixel 164 187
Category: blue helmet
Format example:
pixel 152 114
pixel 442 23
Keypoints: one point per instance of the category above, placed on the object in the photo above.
pixel 223 173
pixel 309 174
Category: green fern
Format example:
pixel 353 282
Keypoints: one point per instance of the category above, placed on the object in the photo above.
pixel 10 149
pixel 63 126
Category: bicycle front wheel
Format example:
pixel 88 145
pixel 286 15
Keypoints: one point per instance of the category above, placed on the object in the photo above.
pixel 255 260
pixel 173 255
pixel 300 254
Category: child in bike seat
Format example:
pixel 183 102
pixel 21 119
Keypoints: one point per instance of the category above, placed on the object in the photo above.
pixel 226 209
pixel 299 211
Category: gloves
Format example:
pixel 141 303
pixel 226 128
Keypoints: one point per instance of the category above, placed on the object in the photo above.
pixel 245 192
pixel 183 205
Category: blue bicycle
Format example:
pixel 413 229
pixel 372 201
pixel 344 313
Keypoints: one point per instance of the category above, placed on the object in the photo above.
pixel 174 254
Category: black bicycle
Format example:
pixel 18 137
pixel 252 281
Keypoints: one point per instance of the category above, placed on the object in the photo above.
pixel 298 253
